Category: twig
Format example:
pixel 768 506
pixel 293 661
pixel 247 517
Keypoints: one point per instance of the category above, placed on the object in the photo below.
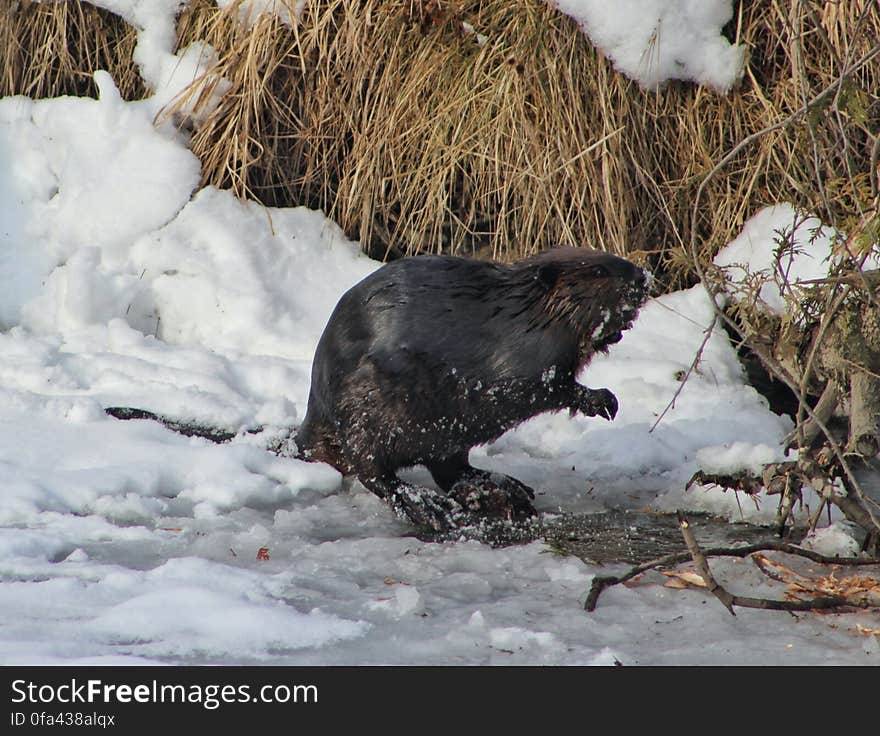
pixel 862 279
pixel 875 157
pixel 707 333
pixel 600 582
pixel 814 519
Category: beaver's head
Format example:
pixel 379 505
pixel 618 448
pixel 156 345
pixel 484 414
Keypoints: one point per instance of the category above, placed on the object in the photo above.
pixel 598 294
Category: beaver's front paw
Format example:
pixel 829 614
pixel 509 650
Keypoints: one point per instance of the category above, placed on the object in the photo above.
pixel 597 402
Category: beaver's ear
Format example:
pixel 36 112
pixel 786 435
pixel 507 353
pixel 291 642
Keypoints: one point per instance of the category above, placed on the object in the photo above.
pixel 548 274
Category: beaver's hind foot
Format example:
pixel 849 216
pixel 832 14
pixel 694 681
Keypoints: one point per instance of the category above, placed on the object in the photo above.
pixel 427 508
pixel 494 495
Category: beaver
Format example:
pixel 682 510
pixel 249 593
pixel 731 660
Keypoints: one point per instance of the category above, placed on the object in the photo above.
pixel 431 355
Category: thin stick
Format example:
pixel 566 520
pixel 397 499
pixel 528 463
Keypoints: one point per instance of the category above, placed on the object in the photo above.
pixel 707 333
pixel 730 600
pixel 814 521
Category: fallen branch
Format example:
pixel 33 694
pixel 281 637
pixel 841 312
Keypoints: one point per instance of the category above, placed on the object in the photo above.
pixel 730 600
pixel 601 582
pixel 712 585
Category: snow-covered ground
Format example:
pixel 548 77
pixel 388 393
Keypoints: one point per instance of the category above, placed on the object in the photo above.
pixel 123 542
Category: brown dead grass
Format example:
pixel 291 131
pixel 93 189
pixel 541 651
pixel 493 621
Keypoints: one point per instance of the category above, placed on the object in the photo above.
pixel 52 49
pixel 391 118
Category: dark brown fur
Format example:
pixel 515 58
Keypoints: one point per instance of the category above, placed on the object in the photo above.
pixel 430 356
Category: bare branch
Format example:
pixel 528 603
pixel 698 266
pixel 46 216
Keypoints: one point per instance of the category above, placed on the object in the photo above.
pixel 730 600
pixel 601 582
pixel 702 565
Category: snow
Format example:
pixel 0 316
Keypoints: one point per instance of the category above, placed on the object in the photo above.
pixel 841 538
pixel 777 248
pixel 82 172
pixel 653 41
pixel 154 51
pixel 287 11
pixel 122 542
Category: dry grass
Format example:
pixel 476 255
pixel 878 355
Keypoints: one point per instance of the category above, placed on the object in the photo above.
pixel 52 49
pixel 391 118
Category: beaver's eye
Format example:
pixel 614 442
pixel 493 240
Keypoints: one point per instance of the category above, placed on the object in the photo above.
pixel 599 271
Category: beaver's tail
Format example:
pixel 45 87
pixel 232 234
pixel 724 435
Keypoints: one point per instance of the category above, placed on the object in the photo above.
pixel 181 426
